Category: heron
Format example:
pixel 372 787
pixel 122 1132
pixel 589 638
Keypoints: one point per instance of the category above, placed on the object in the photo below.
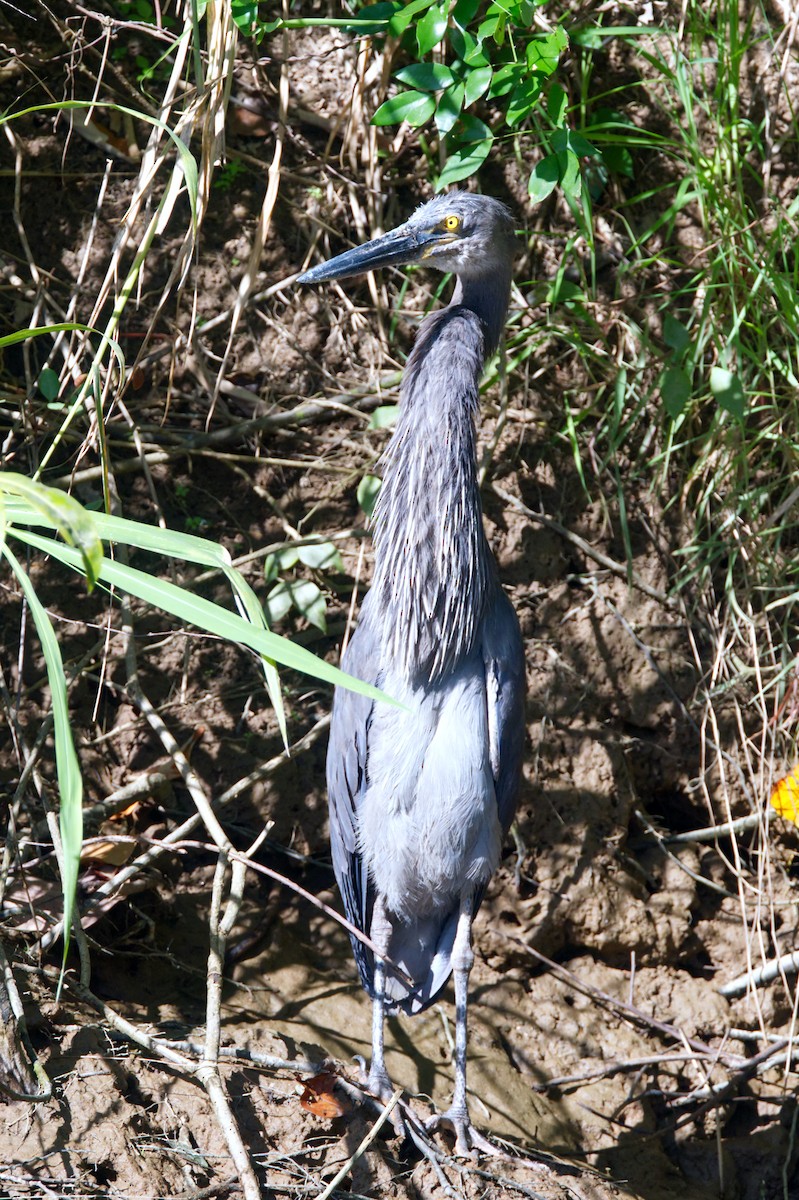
pixel 422 793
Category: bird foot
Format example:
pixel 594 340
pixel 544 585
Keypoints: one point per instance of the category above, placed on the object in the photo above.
pixel 380 1091
pixel 468 1140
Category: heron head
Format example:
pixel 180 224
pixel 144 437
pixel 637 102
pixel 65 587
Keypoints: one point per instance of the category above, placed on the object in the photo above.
pixel 467 234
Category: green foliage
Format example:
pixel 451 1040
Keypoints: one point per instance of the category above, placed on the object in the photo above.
pixel 303 595
pixel 496 61
pixel 492 52
pixel 245 16
pixel 384 416
pixel 368 491
pixel 74 537
pixel 709 408
pixel 676 379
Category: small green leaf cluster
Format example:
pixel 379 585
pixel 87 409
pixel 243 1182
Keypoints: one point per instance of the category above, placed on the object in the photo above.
pixel 368 491
pixel 492 54
pixel 245 16
pixel 304 595
pixel 567 148
pixel 677 378
pixel 148 69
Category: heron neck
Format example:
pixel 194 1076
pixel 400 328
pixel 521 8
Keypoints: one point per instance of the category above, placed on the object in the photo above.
pixel 433 567
pixel 487 296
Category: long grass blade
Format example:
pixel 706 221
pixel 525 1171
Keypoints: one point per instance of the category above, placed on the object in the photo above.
pixel 206 615
pixel 70 783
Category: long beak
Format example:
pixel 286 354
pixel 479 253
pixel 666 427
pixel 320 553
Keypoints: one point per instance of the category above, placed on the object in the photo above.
pixel 394 249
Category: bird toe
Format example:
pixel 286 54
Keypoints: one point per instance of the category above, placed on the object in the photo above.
pixel 468 1140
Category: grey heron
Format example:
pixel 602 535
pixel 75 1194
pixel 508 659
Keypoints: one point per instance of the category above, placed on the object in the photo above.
pixel 422 796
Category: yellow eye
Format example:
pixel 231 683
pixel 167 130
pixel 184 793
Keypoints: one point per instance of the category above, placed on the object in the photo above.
pixel 451 223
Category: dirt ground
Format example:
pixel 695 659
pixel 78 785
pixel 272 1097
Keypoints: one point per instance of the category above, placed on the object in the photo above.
pixel 603 1058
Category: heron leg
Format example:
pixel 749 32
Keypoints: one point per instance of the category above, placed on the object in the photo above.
pixel 378 1082
pixel 456 1118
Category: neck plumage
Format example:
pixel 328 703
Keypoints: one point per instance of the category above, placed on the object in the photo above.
pixel 433 568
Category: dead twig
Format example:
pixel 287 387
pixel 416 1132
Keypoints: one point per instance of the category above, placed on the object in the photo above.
pixel 617 1068
pixel 221 920
pixel 786 964
pixel 19 1063
pixel 616 568
pixel 630 1012
pixel 363 1147
pixel 183 831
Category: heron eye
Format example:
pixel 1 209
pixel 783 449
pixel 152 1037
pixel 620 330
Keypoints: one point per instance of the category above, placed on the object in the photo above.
pixel 451 223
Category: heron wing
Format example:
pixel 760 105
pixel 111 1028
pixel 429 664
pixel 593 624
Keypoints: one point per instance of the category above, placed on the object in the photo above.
pixel 431 939
pixel 347 755
pixel 503 654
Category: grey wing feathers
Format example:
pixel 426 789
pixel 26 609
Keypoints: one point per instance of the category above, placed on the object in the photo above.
pixel 503 659
pixel 430 940
pixel 346 780
pixel 503 654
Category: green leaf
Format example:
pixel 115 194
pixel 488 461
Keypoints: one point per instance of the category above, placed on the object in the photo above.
pixel 278 603
pixel 471 129
pixel 22 335
pixel 728 390
pixel 368 491
pixel 544 51
pixel 302 594
pixel 431 28
pixel 594 37
pixel 570 177
pixel 505 78
pixel 378 14
pixel 581 146
pixel 523 100
pixel 465 11
pixel 563 291
pixel 48 383
pixel 675 334
pixel 205 615
pixel 245 15
pixel 174 544
pixel 619 160
pixel 413 107
pixel 463 163
pixel 324 556
pixel 449 107
pixel 310 602
pixel 544 178
pixel 569 141
pixel 467 48
pixel 675 391
pixel 384 417
pixel 492 27
pixel 39 504
pixel 271 568
pixel 282 560
pixel 427 77
pixel 402 19
pixel 595 174
pixel 557 103
pixel 478 80
pixel 590 37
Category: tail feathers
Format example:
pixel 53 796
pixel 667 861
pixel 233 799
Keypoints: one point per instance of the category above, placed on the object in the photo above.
pixel 423 952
